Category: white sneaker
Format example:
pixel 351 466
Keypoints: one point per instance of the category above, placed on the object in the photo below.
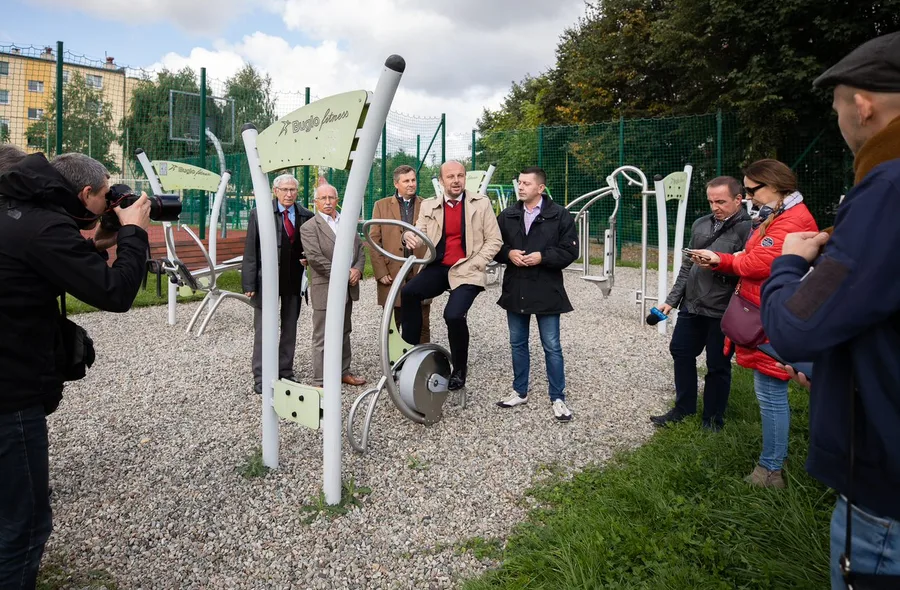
pixel 513 401
pixel 561 411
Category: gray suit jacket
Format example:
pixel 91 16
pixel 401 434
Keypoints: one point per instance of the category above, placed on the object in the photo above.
pixel 318 245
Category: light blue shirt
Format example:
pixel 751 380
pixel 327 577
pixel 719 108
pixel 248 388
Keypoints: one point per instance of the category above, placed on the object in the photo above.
pixel 290 214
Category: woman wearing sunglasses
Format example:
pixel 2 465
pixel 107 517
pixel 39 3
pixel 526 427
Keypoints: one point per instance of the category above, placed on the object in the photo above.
pixel 773 188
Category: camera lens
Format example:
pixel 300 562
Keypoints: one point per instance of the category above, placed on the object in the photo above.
pixel 165 207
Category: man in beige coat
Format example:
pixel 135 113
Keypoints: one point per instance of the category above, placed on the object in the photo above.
pixel 318 235
pixel 466 236
pixel 403 206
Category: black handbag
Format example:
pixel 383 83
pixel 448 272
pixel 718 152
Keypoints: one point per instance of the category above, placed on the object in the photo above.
pixel 856 580
pixel 77 346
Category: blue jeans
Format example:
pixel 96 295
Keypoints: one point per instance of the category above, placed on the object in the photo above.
pixel 875 547
pixel 25 516
pixel 692 334
pixel 772 394
pixel 548 326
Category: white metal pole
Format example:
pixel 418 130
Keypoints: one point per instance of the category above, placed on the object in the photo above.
pixel 438 191
pixel 663 247
pixel 268 253
pixel 643 258
pixel 218 145
pixel 157 189
pixel 214 218
pixel 680 221
pixel 340 272
pixel 482 189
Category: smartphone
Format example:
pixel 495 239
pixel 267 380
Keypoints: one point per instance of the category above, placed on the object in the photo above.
pixel 691 254
pixel 802 367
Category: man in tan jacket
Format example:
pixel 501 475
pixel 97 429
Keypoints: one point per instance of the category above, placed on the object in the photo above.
pixel 466 236
pixel 404 206
pixel 318 236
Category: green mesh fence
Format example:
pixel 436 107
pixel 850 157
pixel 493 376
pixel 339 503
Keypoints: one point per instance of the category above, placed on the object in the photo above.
pixel 578 160
pixel 109 111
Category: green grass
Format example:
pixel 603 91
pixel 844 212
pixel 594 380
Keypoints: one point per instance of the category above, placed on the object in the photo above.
pixel 253 465
pixel 228 281
pixel 676 514
pixel 56 576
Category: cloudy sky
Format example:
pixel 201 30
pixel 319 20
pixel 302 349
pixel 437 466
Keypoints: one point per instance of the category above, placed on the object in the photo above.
pixel 461 56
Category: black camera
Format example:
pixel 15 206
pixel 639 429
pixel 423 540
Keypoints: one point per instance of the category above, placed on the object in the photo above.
pixel 162 207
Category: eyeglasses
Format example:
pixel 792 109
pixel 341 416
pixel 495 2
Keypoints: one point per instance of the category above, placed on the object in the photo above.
pixel 751 190
pixel 287 190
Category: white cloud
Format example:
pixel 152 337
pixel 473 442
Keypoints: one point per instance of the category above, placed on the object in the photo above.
pixel 195 16
pixel 460 56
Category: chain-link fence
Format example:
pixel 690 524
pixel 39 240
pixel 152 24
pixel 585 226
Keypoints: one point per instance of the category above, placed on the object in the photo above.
pixel 578 160
pixel 109 111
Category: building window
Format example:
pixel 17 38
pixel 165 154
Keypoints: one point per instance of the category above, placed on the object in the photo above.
pixel 4 68
pixel 94 81
pixel 4 129
pixel 65 77
pixel 93 107
pixel 35 114
pixel 4 96
pixel 35 86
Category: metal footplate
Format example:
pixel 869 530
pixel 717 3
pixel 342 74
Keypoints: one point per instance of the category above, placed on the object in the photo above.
pixel 298 403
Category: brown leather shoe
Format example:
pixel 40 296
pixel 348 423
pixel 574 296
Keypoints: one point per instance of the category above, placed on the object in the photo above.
pixel 351 379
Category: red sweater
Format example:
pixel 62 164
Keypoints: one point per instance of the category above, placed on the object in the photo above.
pixel 453 246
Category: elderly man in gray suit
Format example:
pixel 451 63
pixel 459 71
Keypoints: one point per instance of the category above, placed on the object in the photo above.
pixel 318 243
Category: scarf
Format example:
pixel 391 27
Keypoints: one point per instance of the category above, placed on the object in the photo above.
pixel 881 147
pixel 795 198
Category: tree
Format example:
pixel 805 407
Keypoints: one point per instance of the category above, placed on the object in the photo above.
pixel 147 125
pixel 252 95
pixel 87 123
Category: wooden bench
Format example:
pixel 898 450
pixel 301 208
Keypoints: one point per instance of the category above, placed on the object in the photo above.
pixel 189 253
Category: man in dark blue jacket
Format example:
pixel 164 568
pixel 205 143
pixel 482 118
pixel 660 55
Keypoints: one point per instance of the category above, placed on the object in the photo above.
pixel 42 256
pixel 539 241
pixel 843 314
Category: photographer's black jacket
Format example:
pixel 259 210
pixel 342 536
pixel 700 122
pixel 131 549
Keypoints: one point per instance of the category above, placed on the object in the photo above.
pixel 42 254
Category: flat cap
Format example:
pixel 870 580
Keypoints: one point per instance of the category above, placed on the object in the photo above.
pixel 874 66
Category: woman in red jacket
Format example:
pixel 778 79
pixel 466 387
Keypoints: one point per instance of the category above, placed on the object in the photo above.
pixel 773 188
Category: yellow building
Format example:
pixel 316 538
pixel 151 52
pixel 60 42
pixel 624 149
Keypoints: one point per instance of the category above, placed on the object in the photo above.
pixel 28 82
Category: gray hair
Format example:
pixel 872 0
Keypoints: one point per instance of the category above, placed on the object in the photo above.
pixel 284 178
pixel 320 187
pixel 81 170
pixel 10 155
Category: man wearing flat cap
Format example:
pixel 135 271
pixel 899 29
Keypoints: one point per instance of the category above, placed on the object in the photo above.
pixel 835 301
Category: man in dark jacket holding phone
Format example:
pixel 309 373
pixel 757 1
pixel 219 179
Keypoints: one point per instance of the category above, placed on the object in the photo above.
pixel 43 256
pixel 835 301
pixel 539 241
pixel 701 296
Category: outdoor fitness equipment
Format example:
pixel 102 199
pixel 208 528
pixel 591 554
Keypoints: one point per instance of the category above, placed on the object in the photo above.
pixel 166 176
pixel 416 377
pixel 341 132
pixel 606 279
pixel 674 187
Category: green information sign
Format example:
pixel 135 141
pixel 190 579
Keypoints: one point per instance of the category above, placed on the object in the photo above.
pixel 319 134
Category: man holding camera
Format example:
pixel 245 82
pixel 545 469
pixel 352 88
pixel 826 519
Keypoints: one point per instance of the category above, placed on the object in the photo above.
pixel 702 295
pixel 289 216
pixel 43 255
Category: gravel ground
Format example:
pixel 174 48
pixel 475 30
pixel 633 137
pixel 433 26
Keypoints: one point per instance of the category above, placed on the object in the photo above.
pixel 146 451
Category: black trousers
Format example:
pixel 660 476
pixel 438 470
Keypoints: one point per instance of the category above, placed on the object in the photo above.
pixel 431 282
pixel 692 334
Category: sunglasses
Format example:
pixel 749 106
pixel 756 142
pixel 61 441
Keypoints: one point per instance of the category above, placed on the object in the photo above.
pixel 751 190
